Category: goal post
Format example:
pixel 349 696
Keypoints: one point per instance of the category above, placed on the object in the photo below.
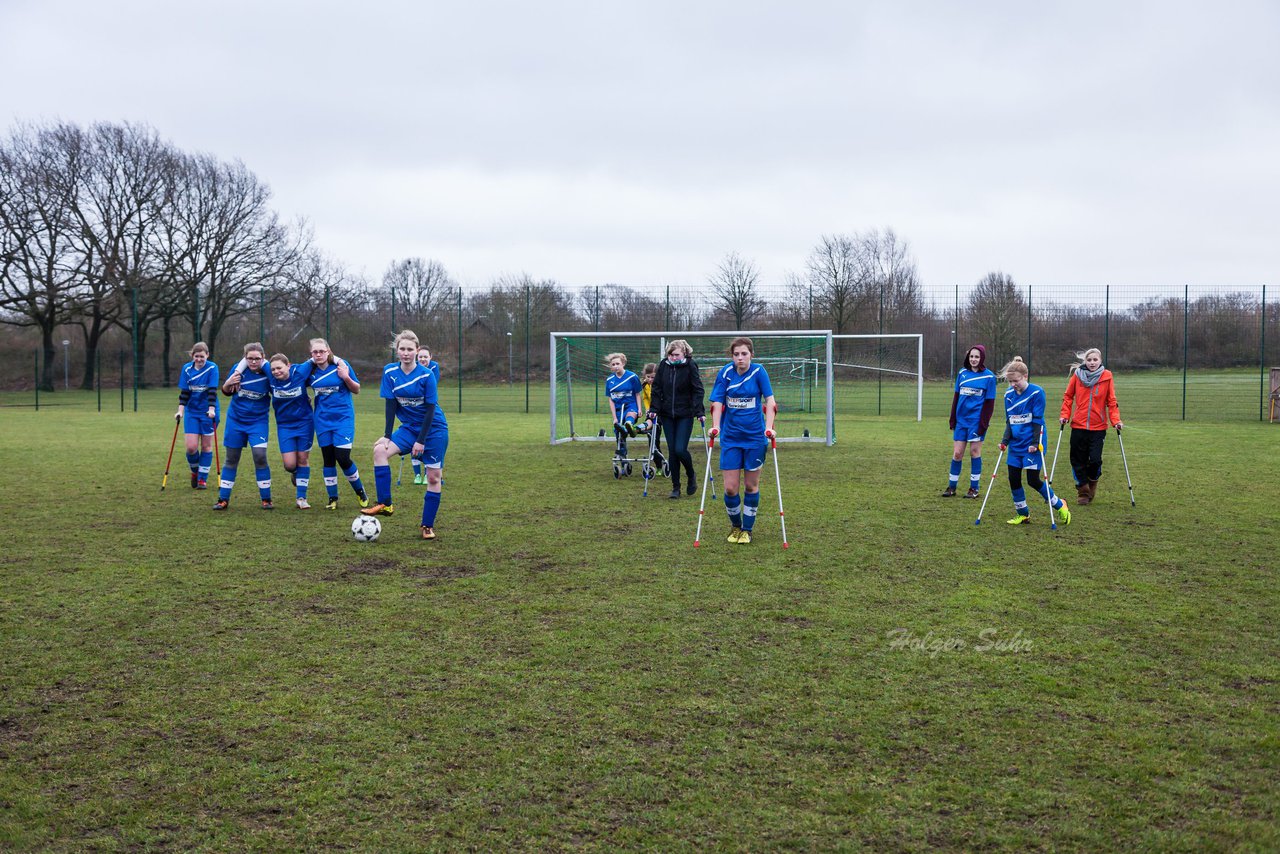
pixel 799 364
pixel 879 374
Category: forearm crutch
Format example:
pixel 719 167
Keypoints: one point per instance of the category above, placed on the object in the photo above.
pixel 992 483
pixel 176 424
pixel 1132 503
pixel 702 423
pixel 773 441
pixel 1052 499
pixel 1056 446
pixel 697 537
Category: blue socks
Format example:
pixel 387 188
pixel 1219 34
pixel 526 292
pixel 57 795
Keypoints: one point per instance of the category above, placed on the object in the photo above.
pixel 205 463
pixel 751 502
pixel 382 483
pixel 264 483
pixel 975 472
pixel 303 477
pixel 955 473
pixel 331 480
pixel 353 475
pixel 430 506
pixel 1020 502
pixel 228 481
pixel 733 504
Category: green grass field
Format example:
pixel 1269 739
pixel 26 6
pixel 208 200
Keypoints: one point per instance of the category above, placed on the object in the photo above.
pixel 563 669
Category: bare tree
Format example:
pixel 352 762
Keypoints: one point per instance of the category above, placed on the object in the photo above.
pixel 998 315
pixel 894 273
pixel 420 287
pixel 842 280
pixel 735 284
pixel 43 262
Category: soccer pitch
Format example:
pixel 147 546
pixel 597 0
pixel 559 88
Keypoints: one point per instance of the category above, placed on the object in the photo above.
pixel 563 669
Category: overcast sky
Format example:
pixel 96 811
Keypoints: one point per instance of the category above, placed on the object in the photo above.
pixel 638 143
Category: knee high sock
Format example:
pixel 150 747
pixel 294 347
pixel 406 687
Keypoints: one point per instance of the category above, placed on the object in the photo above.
pixel 205 463
pixel 303 477
pixel 430 506
pixel 733 504
pixel 193 459
pixel 1020 502
pixel 331 481
pixel 955 473
pixel 382 483
pixel 750 503
pixel 975 472
pixel 264 482
pixel 353 476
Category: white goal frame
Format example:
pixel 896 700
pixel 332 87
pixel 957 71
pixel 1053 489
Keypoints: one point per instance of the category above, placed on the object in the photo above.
pixel 919 362
pixel 665 336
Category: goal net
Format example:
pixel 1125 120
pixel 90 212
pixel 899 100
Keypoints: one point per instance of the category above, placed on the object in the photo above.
pixel 798 362
pixel 879 374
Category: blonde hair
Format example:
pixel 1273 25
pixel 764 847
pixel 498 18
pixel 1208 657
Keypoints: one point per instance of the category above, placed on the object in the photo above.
pixel 682 345
pixel 198 347
pixel 608 360
pixel 1015 366
pixel 278 357
pixel 1080 357
pixel 255 345
pixel 403 335
pixel 333 360
pixel 742 341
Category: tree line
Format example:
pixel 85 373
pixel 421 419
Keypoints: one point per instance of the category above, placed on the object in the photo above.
pixel 113 231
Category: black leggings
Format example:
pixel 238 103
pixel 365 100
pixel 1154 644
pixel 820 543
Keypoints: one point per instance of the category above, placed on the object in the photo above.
pixel 332 455
pixel 259 457
pixel 1033 478
pixel 1086 453
pixel 678 431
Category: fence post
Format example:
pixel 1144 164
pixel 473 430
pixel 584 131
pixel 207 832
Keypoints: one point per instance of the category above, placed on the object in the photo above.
pixel 459 349
pixel 955 332
pixel 134 308
pixel 1030 361
pixel 1186 304
pixel 880 356
pixel 1106 328
pixel 328 302
pixel 595 369
pixel 1262 354
pixel 528 315
pixel 666 322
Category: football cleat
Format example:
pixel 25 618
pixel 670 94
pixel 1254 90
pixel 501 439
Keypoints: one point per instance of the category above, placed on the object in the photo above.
pixel 221 505
pixel 735 534
pixel 972 493
pixel 267 505
pixel 418 480
pixel 1020 520
pixel 195 480
pixel 949 492
pixel 201 484
pixel 744 538
pixel 378 510
pixel 1064 515
pixel 333 504
pixel 363 498
pixel 428 533
pixel 303 504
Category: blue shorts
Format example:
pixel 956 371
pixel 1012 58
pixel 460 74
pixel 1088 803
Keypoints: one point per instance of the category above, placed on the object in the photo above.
pixel 197 423
pixel 246 435
pixel 629 414
pixel 967 434
pixel 343 437
pixel 1024 459
pixel 435 446
pixel 294 437
pixel 735 458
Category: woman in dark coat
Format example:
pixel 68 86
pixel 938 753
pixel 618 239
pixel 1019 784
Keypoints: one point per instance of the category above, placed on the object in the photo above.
pixel 677 400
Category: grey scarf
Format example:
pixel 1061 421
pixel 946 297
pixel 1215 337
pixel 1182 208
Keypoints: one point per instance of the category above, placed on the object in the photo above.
pixel 1088 378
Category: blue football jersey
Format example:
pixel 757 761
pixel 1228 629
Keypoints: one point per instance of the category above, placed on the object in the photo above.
pixel 289 396
pixel 743 396
pixel 412 391
pixel 1025 415
pixel 622 390
pixel 202 382
pixel 252 401
pixel 975 388
pixel 335 409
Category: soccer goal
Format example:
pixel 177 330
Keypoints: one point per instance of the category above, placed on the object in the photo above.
pixel 799 364
pixel 879 374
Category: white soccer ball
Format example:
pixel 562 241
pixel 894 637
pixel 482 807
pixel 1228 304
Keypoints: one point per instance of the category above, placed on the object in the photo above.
pixel 366 528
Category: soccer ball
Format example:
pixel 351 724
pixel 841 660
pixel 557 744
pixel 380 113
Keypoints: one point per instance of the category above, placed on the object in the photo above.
pixel 366 528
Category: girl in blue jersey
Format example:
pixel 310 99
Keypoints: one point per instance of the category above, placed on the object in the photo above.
pixel 424 359
pixel 295 423
pixel 1024 440
pixel 250 393
pixel 410 394
pixel 334 381
pixel 971 407
pixel 742 413
pixel 198 410
pixel 623 390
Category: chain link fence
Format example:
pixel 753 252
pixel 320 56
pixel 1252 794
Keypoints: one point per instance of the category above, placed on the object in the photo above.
pixel 1190 353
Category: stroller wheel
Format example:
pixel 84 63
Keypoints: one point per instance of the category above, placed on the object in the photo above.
pixel 617 471
pixel 627 469
pixel 647 471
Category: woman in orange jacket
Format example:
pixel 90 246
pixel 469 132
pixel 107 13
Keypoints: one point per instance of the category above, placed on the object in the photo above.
pixel 1091 392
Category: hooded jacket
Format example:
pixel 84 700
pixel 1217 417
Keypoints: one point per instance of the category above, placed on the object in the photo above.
pixel 677 391
pixel 988 406
pixel 1092 404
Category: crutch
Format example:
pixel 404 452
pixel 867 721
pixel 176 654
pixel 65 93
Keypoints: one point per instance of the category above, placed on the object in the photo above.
pixel 217 457
pixel 165 482
pixel 647 470
pixel 992 483
pixel 400 471
pixel 1132 503
pixel 1053 520
pixel 773 441
pixel 703 506
pixel 1056 446
pixel 702 422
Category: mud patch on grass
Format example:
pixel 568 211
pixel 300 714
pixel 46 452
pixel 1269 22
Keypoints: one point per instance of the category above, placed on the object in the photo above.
pixel 364 567
pixel 440 574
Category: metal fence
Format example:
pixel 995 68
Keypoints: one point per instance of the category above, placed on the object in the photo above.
pixel 1179 352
